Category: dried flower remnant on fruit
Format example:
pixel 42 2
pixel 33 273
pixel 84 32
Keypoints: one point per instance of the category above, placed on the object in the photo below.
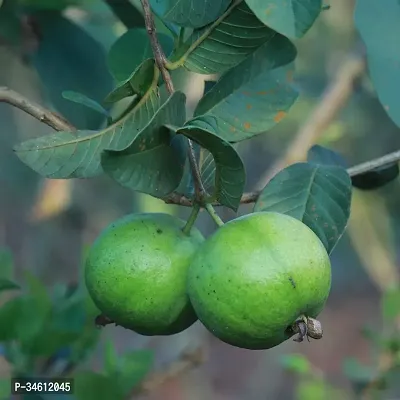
pixel 314 328
pixel 307 327
pixel 102 320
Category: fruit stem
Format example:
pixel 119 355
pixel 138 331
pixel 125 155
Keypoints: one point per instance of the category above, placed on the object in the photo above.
pixel 213 214
pixel 192 219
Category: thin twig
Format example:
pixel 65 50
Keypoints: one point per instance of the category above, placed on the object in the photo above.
pixel 332 101
pixel 161 60
pixel 49 118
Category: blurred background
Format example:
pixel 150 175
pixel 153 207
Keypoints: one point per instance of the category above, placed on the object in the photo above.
pixel 47 224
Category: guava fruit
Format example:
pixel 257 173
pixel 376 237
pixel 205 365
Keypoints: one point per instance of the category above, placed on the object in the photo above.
pixel 256 276
pixel 136 273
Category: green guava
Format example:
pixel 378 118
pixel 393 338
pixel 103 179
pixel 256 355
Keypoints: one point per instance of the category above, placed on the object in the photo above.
pixel 136 273
pixel 255 276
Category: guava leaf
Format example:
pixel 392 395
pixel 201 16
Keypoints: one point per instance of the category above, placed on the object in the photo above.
pixel 77 155
pixel 134 367
pixel 10 22
pixel 80 98
pixel 128 13
pixel 208 85
pixel 296 363
pixel 322 155
pixel 317 195
pixel 292 18
pixel 377 177
pixel 208 169
pixel 227 43
pixel 358 372
pixel 150 164
pixel 131 49
pixel 137 83
pixel 7 284
pixel 390 304
pixel 377 21
pixel 90 385
pixel 255 95
pixel 190 13
pixel 230 174
pixel 110 358
pixel 6 263
pixel 68 58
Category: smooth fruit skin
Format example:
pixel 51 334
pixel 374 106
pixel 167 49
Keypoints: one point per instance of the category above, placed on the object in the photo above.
pixel 136 273
pixel 255 276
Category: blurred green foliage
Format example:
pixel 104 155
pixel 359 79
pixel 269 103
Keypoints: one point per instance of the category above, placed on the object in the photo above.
pixel 53 333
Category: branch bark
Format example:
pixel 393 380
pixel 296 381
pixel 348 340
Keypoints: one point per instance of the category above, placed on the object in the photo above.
pixel 161 61
pixel 49 118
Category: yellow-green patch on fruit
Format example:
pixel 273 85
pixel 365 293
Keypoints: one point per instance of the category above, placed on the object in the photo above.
pixel 136 273
pixel 255 276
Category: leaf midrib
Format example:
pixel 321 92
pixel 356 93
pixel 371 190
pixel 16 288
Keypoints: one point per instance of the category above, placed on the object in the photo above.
pixel 107 129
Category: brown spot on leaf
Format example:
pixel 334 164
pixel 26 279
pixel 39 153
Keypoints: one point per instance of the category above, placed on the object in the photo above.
pixel 232 129
pixel 279 116
pixel 262 93
pixel 247 125
pixel 249 106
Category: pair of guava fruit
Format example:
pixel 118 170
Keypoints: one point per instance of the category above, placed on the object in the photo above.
pixel 254 283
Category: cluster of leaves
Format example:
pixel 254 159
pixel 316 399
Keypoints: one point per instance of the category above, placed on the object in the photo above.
pixel 374 381
pixel 53 333
pixel 248 46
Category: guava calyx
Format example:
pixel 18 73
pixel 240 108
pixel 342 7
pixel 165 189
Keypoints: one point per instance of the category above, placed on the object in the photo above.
pixel 306 327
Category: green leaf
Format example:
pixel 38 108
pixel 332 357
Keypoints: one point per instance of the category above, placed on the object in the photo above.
pixel 150 164
pixel 110 358
pixel 77 155
pixel 220 46
pixel 296 363
pixel 35 308
pixel 80 98
pixel 208 85
pixel 390 304
pixel 68 58
pixel 9 317
pixel 10 24
pixel 6 284
pixel 190 13
pixel 6 264
pixel 292 18
pixel 321 155
pixel 137 83
pixel 230 174
pixel 94 386
pixel 318 195
pixel 355 371
pixel 255 95
pixel 377 21
pixel 312 389
pixel 50 4
pixel 5 388
pixel 133 369
pixel 377 177
pixel 131 49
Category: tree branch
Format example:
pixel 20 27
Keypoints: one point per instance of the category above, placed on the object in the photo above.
pixel 161 60
pixel 35 110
